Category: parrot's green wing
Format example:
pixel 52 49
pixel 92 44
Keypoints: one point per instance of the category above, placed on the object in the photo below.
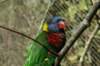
pixel 37 55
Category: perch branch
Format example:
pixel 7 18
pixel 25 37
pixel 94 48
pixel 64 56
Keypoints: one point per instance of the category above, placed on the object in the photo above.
pixel 30 39
pixel 83 26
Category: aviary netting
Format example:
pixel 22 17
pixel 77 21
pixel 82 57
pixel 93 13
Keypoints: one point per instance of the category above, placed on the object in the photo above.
pixel 86 50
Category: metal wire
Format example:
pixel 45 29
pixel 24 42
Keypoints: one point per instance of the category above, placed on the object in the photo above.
pixel 62 10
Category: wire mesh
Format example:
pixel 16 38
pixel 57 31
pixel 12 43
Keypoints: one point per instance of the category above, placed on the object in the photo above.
pixel 27 15
pixel 63 8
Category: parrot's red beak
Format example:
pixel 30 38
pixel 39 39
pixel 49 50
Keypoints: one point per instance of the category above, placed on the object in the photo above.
pixel 61 25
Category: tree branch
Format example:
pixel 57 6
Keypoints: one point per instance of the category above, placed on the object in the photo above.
pixel 87 45
pixel 30 39
pixel 83 26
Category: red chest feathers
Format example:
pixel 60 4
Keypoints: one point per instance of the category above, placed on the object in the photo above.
pixel 55 39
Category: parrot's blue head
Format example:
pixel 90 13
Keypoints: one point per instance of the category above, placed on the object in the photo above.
pixel 56 24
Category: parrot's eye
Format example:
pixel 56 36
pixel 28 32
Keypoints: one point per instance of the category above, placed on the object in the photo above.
pixel 61 25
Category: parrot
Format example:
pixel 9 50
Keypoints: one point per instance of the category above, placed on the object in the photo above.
pixel 53 36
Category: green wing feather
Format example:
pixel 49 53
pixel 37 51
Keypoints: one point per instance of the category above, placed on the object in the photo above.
pixel 37 55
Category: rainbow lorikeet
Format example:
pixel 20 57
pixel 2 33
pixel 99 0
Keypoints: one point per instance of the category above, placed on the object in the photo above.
pixel 52 36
